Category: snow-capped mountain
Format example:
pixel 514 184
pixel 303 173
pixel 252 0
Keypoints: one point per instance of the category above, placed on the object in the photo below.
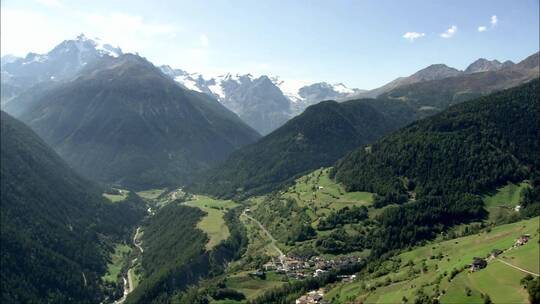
pixel 8 59
pixel 62 62
pixel 320 91
pixel 263 102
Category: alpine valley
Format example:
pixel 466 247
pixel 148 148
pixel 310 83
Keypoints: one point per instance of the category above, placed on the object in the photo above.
pixel 127 182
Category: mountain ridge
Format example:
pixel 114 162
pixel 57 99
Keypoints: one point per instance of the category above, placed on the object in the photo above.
pixel 316 138
pixel 109 120
pixel 57 229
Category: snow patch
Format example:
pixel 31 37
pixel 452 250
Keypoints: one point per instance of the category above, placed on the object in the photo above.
pixel 341 88
pixel 187 82
pixel 217 90
pixel 289 88
pixel 37 58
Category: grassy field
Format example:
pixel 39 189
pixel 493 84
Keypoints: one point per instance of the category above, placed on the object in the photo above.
pixel 252 287
pixel 425 267
pixel 525 257
pixel 507 196
pixel 314 196
pixel 151 194
pixel 213 223
pixel 118 257
pixel 115 198
pixel 259 243
pixel 501 203
pixel 498 280
pixel 320 193
pixel 136 274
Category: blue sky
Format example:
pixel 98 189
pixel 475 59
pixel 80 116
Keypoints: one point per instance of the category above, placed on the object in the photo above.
pixel 360 43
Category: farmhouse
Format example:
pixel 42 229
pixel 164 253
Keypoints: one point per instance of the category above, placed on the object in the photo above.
pixel 318 272
pixel 477 264
pixel 347 278
pixel 315 296
pixel 522 240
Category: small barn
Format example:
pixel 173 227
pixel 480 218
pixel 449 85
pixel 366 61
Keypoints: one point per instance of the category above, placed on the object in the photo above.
pixel 477 264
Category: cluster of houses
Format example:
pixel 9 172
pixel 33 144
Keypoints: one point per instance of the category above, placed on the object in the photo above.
pixel 480 263
pixel 300 268
pixel 312 297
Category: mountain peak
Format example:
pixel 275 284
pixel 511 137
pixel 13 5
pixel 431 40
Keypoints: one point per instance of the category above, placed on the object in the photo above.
pixel 435 71
pixel 485 65
pixel 81 37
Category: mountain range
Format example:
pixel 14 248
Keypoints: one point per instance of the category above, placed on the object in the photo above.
pixel 432 96
pixel 122 121
pixel 74 94
pixel 343 185
pixel 264 102
pixel 61 63
pixel 280 157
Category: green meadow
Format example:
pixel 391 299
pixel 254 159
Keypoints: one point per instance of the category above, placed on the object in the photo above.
pixel 117 259
pixel 320 193
pixel 115 198
pixel 151 194
pixel 428 268
pixel 213 223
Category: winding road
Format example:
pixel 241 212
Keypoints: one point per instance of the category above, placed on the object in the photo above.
pixel 128 282
pixel 282 257
pixel 135 240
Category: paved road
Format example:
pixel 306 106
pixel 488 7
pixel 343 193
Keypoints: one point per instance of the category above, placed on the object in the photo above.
pixel 135 240
pixel 518 268
pixel 282 257
pixel 128 283
pixel 126 291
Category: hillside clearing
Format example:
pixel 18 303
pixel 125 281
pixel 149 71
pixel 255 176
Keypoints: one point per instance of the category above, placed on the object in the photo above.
pixel 118 197
pixel 151 194
pixel 117 260
pixel 213 223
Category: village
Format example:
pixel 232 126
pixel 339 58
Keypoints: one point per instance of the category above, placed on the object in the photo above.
pixel 300 268
pixel 317 296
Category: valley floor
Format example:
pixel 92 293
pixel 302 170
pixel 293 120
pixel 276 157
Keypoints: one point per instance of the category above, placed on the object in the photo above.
pixel 439 269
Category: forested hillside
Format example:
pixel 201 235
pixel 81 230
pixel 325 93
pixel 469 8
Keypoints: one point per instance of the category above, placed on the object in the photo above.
pixel 122 121
pixel 472 147
pixel 314 139
pixel 175 256
pixel 441 165
pixel 56 228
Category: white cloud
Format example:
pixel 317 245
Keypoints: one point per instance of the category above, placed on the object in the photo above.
pixel 494 20
pixel 204 40
pixel 450 32
pixel 411 36
pixel 131 32
pixel 19 36
pixel 121 22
